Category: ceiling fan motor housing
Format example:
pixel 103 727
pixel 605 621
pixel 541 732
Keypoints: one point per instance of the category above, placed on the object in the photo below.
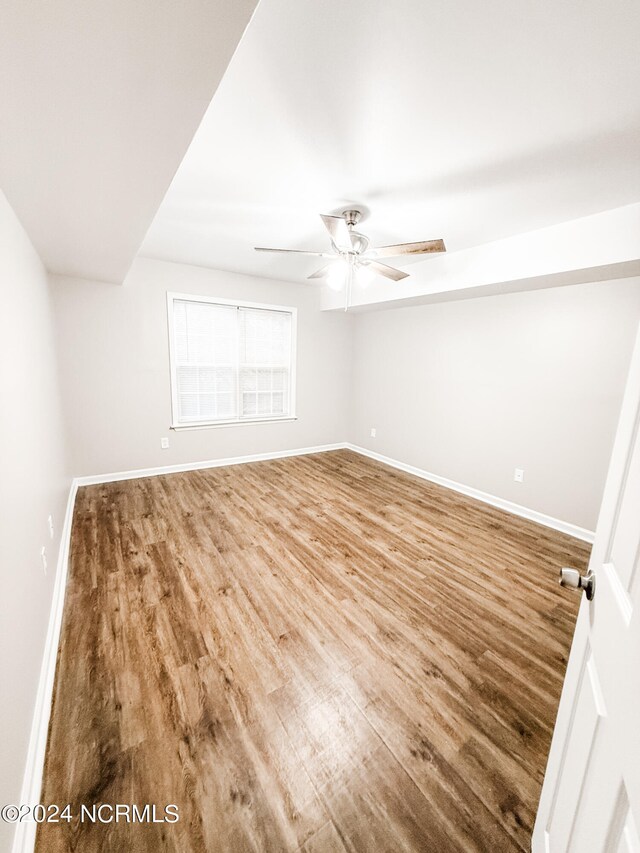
pixel 359 242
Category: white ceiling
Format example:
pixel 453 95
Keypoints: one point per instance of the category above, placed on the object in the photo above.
pixel 456 119
pixel 98 104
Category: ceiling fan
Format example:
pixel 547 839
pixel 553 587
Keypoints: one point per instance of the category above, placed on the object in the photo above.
pixel 351 255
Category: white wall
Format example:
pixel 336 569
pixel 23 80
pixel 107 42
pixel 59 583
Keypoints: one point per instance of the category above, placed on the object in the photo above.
pixel 471 390
pixel 466 390
pixel 33 484
pixel 115 370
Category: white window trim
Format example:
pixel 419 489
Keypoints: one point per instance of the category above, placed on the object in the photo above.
pixel 194 297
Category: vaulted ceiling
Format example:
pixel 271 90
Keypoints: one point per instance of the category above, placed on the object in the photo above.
pixel 456 119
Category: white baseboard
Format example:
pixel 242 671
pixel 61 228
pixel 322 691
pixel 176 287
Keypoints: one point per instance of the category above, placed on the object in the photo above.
pixel 25 833
pixel 485 497
pixel 477 494
pixel 211 463
pixel 24 838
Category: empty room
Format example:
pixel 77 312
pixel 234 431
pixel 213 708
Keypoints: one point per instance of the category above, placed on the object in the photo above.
pixel 320 426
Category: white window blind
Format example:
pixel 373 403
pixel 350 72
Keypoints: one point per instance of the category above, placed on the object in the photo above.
pixel 230 362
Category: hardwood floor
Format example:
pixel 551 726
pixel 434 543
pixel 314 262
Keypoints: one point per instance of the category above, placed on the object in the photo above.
pixel 317 653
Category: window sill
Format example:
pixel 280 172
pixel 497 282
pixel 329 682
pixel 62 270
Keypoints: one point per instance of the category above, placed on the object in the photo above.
pixel 243 422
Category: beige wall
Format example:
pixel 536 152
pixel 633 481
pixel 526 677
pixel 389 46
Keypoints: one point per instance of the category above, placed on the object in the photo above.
pixel 115 370
pixel 471 390
pixel 33 484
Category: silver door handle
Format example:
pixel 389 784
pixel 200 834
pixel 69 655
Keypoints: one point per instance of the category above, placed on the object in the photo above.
pixel 574 580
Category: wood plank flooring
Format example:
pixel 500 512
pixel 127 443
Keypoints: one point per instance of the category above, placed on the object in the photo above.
pixel 310 654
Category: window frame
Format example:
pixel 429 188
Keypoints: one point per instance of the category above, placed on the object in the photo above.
pixel 176 424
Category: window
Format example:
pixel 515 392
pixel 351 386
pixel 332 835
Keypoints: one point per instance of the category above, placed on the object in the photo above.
pixel 230 362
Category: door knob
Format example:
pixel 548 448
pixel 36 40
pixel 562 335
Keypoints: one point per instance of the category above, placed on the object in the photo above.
pixel 574 580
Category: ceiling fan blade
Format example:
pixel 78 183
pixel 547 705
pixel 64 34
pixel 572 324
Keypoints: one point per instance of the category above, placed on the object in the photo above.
pixel 295 252
pixel 323 272
pixel 337 228
pixel 424 247
pixel 386 271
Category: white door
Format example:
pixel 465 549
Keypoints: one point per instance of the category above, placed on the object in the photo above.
pixel 590 800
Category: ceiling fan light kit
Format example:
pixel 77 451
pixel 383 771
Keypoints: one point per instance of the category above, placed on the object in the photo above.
pixel 351 259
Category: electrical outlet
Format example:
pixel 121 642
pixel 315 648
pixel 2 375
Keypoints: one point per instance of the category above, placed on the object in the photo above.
pixel 164 443
pixel 50 520
pixel 43 557
pixel 518 475
pixel 373 432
